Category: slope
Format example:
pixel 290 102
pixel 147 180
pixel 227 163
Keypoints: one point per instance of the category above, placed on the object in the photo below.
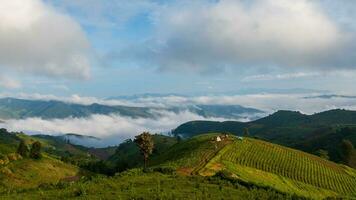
pixel 262 163
pixel 28 173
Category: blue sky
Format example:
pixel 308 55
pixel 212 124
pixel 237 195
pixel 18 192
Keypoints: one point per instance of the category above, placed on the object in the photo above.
pixel 118 47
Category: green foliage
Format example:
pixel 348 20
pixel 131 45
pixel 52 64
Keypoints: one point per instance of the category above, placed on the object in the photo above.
pixel 322 154
pixel 100 167
pixel 128 154
pixel 348 153
pixel 23 149
pixel 145 142
pixel 35 151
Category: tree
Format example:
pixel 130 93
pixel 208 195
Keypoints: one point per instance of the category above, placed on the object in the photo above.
pixel 323 154
pixel 347 151
pixel 22 149
pixel 35 151
pixel 145 142
pixel 246 132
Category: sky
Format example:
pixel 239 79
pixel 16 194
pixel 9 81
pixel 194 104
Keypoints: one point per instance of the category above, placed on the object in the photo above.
pixel 265 54
pixel 119 47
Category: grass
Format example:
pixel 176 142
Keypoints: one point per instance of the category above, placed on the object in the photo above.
pixel 137 185
pixel 28 173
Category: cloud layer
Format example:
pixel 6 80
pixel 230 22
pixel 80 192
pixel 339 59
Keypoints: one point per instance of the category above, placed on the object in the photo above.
pixel 36 39
pixel 208 37
pixel 112 129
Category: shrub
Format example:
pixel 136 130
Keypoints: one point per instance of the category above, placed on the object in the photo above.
pixel 23 149
pixel 35 152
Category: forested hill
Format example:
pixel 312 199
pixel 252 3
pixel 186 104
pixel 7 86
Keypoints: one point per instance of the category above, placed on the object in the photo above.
pixel 264 127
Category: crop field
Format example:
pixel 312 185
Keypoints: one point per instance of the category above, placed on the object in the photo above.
pixel 192 154
pixel 300 169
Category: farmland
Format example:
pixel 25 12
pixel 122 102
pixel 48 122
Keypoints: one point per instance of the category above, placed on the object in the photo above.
pixel 264 164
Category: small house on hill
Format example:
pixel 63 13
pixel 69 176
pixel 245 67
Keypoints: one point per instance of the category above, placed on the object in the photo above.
pixel 218 139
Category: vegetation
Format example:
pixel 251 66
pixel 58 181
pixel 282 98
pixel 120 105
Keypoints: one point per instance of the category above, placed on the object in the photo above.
pixel 145 142
pixel 348 153
pixel 128 154
pixel 261 163
pixel 209 166
pixel 308 133
pixel 136 184
pixel 323 154
pixel 35 151
pixel 23 149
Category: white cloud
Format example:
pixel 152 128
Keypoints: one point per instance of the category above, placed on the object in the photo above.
pixel 201 36
pixel 36 39
pixel 112 129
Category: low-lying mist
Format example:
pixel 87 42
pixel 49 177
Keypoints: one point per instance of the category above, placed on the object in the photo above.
pixel 111 129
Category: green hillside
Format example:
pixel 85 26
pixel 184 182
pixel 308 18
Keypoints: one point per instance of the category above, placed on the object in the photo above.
pixel 233 168
pixel 127 154
pixel 265 164
pixel 284 125
pixel 310 133
pixel 28 173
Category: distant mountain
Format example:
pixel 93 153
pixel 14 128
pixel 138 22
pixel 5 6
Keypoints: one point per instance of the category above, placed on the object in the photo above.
pixel 145 95
pixel 11 108
pixel 20 108
pixel 265 126
pixel 330 96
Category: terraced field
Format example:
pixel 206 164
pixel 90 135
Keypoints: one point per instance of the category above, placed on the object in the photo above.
pixel 265 164
pixel 293 164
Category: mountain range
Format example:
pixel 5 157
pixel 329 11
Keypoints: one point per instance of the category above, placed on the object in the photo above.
pixel 12 108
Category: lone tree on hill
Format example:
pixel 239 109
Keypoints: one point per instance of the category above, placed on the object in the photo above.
pixel 35 151
pixel 246 132
pixel 145 142
pixel 22 149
